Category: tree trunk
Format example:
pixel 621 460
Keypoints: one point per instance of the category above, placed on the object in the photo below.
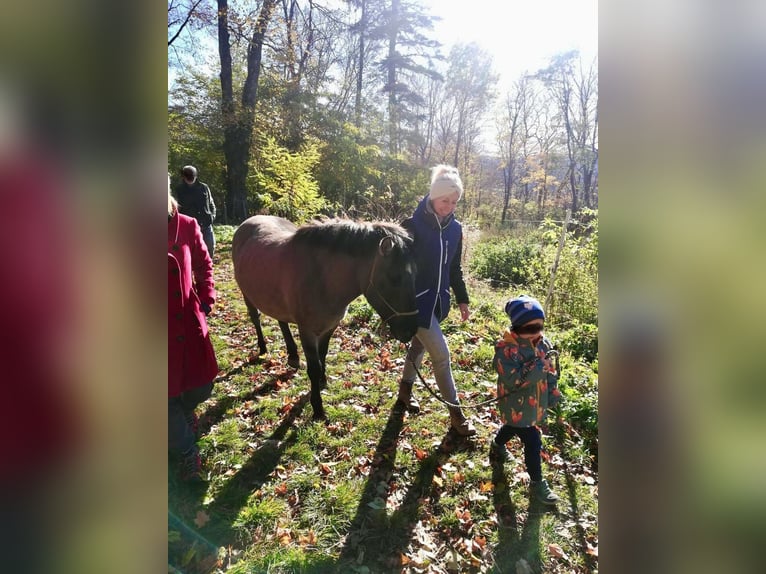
pixel 393 125
pixel 360 69
pixel 238 124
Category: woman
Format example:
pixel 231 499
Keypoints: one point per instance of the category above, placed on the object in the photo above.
pixel 438 248
pixel 192 364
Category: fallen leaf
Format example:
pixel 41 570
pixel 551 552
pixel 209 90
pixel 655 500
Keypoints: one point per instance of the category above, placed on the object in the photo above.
pixel 281 489
pixel 486 486
pixel 557 551
pixel 284 535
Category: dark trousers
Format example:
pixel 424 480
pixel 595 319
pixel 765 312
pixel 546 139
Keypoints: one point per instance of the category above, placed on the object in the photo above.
pixel 180 435
pixel 533 444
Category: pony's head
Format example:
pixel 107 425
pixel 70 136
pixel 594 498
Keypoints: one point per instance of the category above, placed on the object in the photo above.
pixel 391 288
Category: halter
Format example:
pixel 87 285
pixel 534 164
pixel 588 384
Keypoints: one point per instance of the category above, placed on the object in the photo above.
pixel 395 313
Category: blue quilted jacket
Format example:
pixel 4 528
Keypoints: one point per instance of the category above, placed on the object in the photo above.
pixel 438 250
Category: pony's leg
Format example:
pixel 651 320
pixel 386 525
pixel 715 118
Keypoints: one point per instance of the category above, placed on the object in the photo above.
pixel 292 350
pixel 255 317
pixel 324 343
pixel 315 371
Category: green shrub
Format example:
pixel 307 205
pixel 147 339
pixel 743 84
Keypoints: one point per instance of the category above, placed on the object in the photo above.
pixel 581 341
pixel 503 261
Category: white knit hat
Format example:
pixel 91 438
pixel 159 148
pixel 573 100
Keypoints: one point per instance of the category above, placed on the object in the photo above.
pixel 445 180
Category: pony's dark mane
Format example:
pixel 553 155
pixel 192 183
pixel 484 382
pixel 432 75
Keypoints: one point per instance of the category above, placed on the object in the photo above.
pixel 356 238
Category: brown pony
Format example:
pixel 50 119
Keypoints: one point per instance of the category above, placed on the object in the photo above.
pixel 309 275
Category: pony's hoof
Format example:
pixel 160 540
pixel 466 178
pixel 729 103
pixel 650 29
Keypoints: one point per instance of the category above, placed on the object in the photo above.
pixel 294 363
pixel 319 417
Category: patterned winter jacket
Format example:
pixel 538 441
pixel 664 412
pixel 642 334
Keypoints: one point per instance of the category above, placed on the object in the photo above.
pixel 527 380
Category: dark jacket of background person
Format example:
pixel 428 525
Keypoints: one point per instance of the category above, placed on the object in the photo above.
pixel 195 200
pixel 191 358
pixel 438 251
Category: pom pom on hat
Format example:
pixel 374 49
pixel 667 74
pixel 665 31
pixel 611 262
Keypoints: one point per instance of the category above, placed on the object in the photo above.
pixel 524 309
pixel 445 180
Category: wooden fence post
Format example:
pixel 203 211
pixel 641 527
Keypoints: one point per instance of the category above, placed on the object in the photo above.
pixel 556 262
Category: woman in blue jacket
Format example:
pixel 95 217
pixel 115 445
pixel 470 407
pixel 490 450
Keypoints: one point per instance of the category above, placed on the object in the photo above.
pixel 438 248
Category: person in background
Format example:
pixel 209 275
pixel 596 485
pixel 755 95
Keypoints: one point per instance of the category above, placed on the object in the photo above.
pixel 192 364
pixel 195 200
pixel 527 385
pixel 438 246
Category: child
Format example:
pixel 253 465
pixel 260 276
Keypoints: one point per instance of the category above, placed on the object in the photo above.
pixel 527 387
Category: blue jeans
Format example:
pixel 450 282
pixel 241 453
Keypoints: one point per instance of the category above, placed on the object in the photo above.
pixel 207 235
pixel 431 340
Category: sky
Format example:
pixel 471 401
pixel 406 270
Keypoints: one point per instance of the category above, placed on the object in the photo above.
pixel 519 35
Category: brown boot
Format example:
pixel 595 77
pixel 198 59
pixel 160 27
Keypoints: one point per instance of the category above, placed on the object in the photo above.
pixel 462 425
pixel 405 400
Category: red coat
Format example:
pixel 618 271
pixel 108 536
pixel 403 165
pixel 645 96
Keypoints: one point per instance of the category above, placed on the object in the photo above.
pixel 191 358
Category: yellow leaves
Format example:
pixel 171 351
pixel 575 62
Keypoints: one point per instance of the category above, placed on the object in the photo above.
pixel 485 486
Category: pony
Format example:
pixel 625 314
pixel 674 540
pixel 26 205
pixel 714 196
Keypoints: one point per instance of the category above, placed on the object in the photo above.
pixel 308 275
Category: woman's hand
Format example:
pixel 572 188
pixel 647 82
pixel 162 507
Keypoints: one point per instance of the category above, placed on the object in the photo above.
pixel 464 311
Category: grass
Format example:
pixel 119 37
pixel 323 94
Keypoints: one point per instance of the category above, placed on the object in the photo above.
pixel 372 490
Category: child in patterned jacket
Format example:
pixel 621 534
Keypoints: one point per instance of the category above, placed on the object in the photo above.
pixel 526 387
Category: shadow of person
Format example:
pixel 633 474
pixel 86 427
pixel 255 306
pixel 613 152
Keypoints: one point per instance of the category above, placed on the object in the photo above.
pixel 223 510
pixel 364 542
pixel 404 520
pixel 216 409
pixel 515 550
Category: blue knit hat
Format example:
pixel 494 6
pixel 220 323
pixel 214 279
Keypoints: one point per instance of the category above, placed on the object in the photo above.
pixel 524 309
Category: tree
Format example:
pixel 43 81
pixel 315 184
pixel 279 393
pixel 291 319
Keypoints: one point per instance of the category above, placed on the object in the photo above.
pixel 238 121
pixel 576 98
pixel 513 134
pixel 409 54
pixel 180 15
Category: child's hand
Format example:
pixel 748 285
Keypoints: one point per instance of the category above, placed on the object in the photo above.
pixel 464 311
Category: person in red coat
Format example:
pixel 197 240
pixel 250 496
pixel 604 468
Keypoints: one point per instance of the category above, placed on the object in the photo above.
pixel 192 365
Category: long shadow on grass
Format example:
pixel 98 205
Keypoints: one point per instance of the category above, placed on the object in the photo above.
pixel 514 545
pixel 253 474
pixel 403 521
pixel 375 538
pixel 582 546
pixel 363 539
pixel 216 411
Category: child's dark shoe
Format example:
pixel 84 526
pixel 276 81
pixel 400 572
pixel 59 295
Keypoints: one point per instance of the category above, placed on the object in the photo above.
pixel 542 492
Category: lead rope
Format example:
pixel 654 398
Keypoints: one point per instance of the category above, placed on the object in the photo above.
pixel 552 352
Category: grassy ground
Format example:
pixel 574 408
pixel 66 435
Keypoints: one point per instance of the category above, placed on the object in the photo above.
pixel 372 490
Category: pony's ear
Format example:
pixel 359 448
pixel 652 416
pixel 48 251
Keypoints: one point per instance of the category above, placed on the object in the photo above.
pixel 386 245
